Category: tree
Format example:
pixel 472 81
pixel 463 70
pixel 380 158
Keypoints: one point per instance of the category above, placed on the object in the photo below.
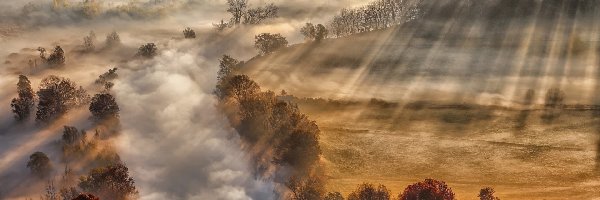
pixel 222 25
pixel 367 191
pixel 39 164
pixel 320 32
pixel 57 57
pixel 227 66
pixel 104 106
pixel 310 188
pixel 86 197
pixel 71 135
pixel 188 33
pixel 267 43
pixel 333 196
pixel 113 39
pixel 56 96
pixel 554 98
pixel 237 8
pixel 23 105
pixel 148 50
pixel 111 182
pixel 308 31
pixel 429 189
pixel 257 15
pixel 89 42
pixel 487 193
pixel 106 78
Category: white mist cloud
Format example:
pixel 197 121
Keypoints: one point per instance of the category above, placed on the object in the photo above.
pixel 174 140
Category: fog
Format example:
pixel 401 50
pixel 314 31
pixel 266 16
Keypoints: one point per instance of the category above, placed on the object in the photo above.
pixel 174 141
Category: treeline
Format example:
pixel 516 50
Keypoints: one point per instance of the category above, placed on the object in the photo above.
pixel 379 14
pixel 100 173
pixel 242 13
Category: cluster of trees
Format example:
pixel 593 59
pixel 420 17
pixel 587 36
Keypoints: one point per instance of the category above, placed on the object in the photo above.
pixel 241 13
pixel 379 14
pixel 56 58
pixel 285 136
pixel 268 43
pixel 314 32
pixel 105 80
pixel 429 189
pixel 57 96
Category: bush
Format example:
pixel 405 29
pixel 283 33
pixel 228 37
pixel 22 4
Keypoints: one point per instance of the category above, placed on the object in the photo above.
pixel 188 33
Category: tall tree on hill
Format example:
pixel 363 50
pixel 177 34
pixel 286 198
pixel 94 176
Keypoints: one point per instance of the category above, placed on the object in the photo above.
pixel 23 105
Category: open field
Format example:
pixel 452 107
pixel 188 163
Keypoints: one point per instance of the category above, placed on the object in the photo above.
pixel 467 146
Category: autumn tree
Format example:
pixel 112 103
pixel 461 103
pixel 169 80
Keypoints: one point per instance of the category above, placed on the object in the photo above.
pixel 188 33
pixel 487 193
pixel 333 196
pixel 227 66
pixel 56 96
pixel 429 189
pixel 267 43
pixel 104 106
pixel 39 164
pixel 23 105
pixel 57 57
pixel 367 191
pixel 113 39
pixel 111 182
pixel 86 196
pixel 148 50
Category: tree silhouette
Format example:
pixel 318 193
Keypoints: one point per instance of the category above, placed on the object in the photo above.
pixel 39 164
pixel 188 33
pixel 111 182
pixel 333 196
pixel 147 50
pixel 429 189
pixel 367 191
pixel 57 57
pixel 23 105
pixel 487 193
pixel 56 96
pixel 104 106
pixel 113 39
pixel 86 197
pixel 267 43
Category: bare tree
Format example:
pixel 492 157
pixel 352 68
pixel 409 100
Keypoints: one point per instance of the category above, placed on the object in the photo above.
pixel 237 8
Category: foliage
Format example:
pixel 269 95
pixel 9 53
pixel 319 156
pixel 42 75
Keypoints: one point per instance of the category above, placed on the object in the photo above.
pixel 312 32
pixel 367 191
pixel 86 197
pixel 39 164
pixel 111 182
pixel 106 78
pixel 104 106
pixel 113 39
pixel 305 189
pixel 429 189
pixel 188 33
pixel 23 105
pixel 89 42
pixel 487 194
pixel 333 196
pixel 57 57
pixel 379 14
pixel 147 50
pixel 56 96
pixel 227 67
pixel 69 193
pixel 267 43
pixel 241 14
